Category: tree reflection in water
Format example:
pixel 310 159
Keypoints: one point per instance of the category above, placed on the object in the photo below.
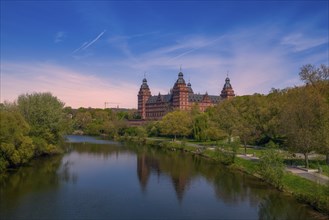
pixel 183 170
pixel 231 187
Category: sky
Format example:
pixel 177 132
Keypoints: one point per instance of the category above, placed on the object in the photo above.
pixel 90 52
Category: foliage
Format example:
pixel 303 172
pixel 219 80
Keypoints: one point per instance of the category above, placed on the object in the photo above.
pixel 226 154
pixel 271 167
pixel 304 120
pixel 226 116
pixel 16 146
pixel 176 123
pixel 136 131
pixel 153 129
pixel 44 113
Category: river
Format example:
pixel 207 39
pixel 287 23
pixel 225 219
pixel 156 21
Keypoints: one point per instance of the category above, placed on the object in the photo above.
pixel 99 179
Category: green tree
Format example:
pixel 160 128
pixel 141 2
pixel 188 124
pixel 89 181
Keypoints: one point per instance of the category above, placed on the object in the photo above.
pixel 225 115
pixel 153 128
pixel 200 124
pixel 214 133
pixel 16 146
pixel 177 123
pixel 318 77
pixel 44 114
pixel 82 120
pixel 322 89
pixel 302 119
pixel 271 167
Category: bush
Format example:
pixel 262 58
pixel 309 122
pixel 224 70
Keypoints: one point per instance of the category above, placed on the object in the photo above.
pixel 227 153
pixel 271 168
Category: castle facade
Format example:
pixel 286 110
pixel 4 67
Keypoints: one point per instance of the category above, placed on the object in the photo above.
pixel 181 97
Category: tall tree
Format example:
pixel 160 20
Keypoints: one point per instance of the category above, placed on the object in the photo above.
pixel 323 134
pixel 249 118
pixel 44 114
pixel 226 116
pixel 301 119
pixel 318 77
pixel 177 123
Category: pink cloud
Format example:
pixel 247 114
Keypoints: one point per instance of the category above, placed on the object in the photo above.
pixel 75 89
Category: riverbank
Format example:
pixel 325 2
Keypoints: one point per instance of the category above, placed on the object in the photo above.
pixel 304 190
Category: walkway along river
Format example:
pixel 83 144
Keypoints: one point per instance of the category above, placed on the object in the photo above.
pixel 100 179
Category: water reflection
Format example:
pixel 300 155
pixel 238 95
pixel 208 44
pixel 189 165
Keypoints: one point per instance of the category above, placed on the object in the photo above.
pixel 230 187
pixel 139 179
pixel 40 175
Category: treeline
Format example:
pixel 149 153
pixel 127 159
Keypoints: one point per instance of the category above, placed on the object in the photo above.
pixel 108 122
pixel 296 119
pixel 35 125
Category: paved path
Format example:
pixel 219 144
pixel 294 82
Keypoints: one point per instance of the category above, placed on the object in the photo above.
pixel 313 176
pixel 310 175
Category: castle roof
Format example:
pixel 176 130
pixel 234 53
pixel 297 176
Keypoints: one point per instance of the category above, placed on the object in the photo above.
pixel 189 87
pixel 180 79
pixel 163 98
pixel 200 97
pixel 144 84
pixel 227 84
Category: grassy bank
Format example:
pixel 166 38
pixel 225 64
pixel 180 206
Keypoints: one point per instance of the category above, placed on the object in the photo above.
pixel 303 190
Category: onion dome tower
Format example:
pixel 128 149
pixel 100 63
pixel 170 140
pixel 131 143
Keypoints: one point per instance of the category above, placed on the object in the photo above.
pixel 227 91
pixel 143 95
pixel 189 87
pixel 180 93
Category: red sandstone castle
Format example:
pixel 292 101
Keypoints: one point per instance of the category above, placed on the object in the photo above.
pixel 181 97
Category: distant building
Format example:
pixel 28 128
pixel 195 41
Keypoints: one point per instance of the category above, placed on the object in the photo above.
pixel 181 97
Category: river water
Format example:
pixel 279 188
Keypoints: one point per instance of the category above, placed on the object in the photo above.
pixel 99 179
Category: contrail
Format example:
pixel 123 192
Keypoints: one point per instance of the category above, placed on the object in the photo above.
pixel 193 49
pixel 85 45
pixel 93 41
pixel 76 50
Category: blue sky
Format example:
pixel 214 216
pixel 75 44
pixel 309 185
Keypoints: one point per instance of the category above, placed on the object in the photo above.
pixel 87 53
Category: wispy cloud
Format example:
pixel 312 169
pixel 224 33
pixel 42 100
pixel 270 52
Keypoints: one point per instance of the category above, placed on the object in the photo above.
pixel 117 38
pixel 299 42
pixel 87 44
pixel 257 62
pixel 59 36
pixel 202 45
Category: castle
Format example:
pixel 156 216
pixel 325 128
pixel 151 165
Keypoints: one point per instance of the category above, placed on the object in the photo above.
pixel 181 97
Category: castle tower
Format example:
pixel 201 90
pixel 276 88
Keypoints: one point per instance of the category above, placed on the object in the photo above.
pixel 180 93
pixel 227 91
pixel 189 87
pixel 143 95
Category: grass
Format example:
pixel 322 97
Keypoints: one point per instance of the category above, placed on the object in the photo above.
pixel 302 189
pixel 247 166
pixel 254 151
pixel 307 191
